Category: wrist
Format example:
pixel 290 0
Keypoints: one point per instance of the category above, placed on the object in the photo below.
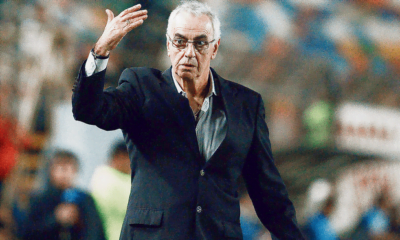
pixel 100 53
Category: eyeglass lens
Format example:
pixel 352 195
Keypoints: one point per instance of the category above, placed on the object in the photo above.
pixel 198 44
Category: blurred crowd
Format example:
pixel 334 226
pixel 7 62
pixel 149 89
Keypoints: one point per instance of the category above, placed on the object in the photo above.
pixel 304 56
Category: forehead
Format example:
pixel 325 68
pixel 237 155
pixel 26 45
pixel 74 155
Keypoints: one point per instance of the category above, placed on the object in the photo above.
pixel 190 25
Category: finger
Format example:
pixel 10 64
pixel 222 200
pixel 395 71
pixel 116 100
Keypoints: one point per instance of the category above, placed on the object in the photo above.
pixel 136 24
pixel 132 16
pixel 129 10
pixel 132 22
pixel 110 15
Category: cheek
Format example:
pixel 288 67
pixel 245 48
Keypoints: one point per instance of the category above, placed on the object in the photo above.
pixel 203 61
pixel 176 57
pixel 71 173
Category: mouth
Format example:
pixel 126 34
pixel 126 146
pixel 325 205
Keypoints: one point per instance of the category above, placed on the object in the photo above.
pixel 188 65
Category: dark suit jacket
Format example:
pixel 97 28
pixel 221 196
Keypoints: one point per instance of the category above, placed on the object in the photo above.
pixel 167 187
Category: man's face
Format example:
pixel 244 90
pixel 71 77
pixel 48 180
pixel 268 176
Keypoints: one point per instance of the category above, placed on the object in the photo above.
pixel 63 174
pixel 189 63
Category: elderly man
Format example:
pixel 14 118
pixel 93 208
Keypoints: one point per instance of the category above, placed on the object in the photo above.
pixel 190 134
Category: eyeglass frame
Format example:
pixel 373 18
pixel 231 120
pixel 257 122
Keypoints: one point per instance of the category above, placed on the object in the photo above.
pixel 191 41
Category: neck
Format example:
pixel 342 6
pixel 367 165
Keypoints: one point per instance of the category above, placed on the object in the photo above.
pixel 195 87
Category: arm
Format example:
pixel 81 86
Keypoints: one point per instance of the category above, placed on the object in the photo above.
pixel 265 185
pixel 110 108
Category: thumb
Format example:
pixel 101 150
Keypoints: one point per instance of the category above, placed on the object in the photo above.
pixel 110 15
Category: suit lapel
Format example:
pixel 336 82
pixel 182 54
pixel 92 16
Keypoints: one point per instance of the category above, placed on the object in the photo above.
pixel 184 116
pixel 181 110
pixel 233 108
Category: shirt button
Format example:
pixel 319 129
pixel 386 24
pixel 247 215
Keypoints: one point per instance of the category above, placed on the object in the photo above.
pixel 198 209
pixel 202 173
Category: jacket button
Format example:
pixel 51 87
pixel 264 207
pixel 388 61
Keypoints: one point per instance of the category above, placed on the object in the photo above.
pixel 202 173
pixel 198 209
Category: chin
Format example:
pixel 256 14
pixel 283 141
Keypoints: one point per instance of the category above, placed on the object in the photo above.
pixel 186 74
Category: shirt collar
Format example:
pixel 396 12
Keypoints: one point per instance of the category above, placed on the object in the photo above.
pixel 211 91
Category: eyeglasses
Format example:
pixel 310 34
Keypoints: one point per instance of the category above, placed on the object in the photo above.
pixel 181 43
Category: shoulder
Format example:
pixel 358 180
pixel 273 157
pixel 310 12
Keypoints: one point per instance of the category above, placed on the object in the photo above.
pixel 103 178
pixel 38 196
pixel 237 93
pixel 145 71
pixel 142 72
pixel 98 174
pixel 242 89
pixel 78 196
pixel 44 192
pixel 236 87
pixel 141 75
pixel 101 170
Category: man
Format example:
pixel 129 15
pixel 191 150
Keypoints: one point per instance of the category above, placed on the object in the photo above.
pixel 60 211
pixel 110 187
pixel 189 133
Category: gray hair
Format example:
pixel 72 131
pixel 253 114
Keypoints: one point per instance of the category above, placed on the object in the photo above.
pixel 197 8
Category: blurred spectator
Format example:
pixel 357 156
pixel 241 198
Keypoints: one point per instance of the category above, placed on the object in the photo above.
pixel 110 187
pixel 394 223
pixel 12 138
pixel 8 147
pixel 376 220
pixel 244 20
pixel 60 211
pixel 311 39
pixel 319 227
pixel 15 194
pixel 47 57
pixel 35 43
pixel 318 120
pixel 283 122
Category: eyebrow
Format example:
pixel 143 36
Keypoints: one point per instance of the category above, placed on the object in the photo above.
pixel 202 36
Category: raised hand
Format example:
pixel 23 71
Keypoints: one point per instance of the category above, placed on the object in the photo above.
pixel 117 27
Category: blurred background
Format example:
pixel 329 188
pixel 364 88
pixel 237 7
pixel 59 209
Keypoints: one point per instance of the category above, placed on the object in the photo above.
pixel 328 72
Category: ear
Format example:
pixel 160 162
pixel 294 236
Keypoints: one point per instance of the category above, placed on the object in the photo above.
pixel 216 46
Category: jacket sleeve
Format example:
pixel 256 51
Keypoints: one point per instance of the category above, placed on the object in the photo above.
pixel 108 109
pixel 265 185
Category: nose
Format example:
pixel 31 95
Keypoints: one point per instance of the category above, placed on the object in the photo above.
pixel 189 50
